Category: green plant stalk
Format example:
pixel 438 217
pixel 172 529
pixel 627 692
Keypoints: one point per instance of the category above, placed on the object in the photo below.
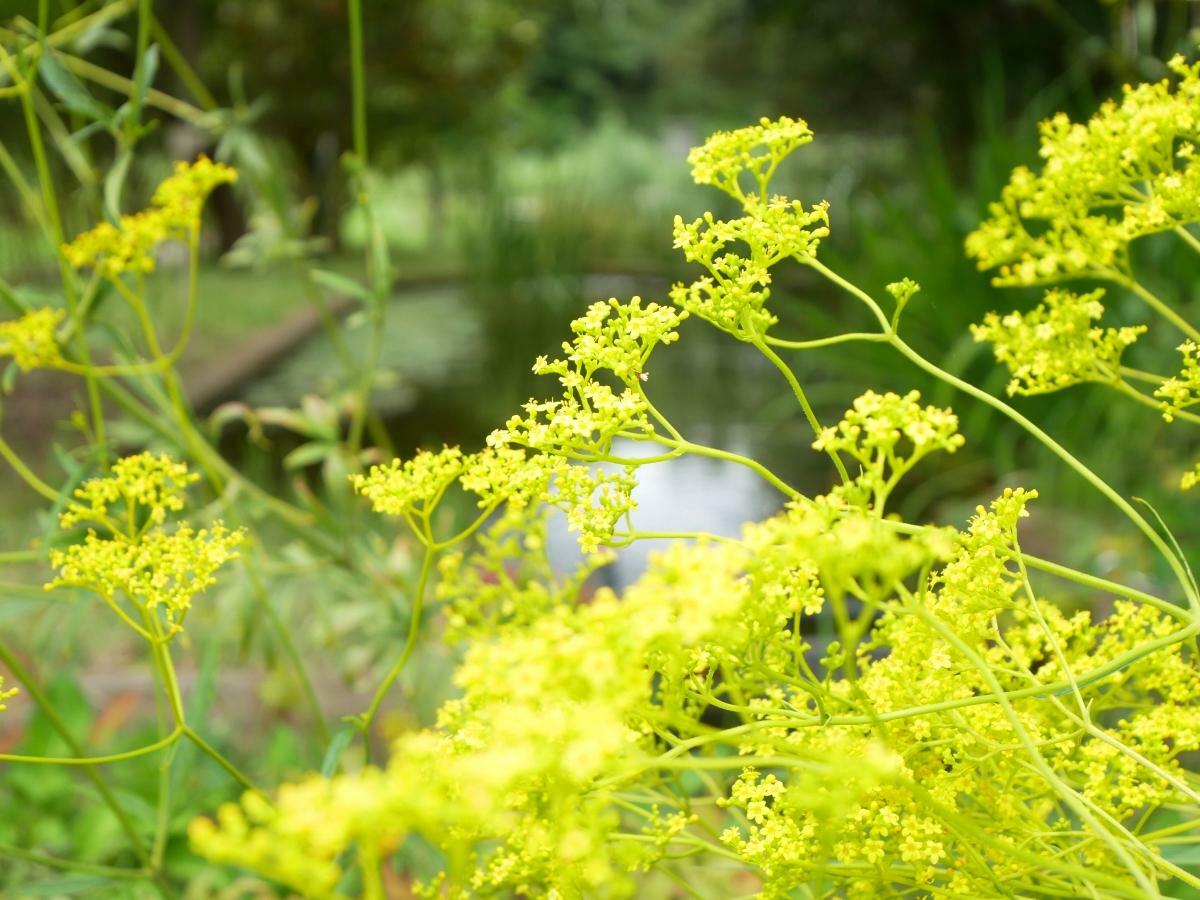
pixel 284 634
pixel 144 22
pixel 180 66
pixel 1189 238
pixel 70 865
pixel 163 812
pixel 72 29
pixel 1041 436
pixel 56 722
pixel 146 750
pixel 1070 797
pixel 367 719
pixel 27 474
pixel 798 391
pixel 1157 304
pixel 158 99
pixel 50 204
pixel 358 80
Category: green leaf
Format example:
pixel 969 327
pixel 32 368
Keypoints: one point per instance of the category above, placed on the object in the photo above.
pixel 114 183
pixel 340 284
pixel 146 75
pixel 337 746
pixel 70 90
pixel 308 454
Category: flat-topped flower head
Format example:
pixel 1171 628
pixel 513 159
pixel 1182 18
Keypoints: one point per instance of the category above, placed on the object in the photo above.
pixel 771 232
pixel 1056 344
pixel 31 340
pixel 159 569
pixel 734 301
pixel 583 423
pixel 411 486
pixel 1181 391
pixel 181 196
pixel 615 337
pixel 137 488
pixel 174 214
pixel 1125 173
pixel 141 558
pixel 757 149
pixel 888 434
pixel 738 253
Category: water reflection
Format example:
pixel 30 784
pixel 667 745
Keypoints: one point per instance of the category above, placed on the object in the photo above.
pixel 691 493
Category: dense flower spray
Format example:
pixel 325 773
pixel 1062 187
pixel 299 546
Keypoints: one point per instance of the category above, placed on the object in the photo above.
pixel 1125 174
pixel 959 735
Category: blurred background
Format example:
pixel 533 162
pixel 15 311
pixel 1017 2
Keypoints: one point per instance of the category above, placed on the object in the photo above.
pixel 526 158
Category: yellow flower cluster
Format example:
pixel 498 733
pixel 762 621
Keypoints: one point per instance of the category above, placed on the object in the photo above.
pixel 532 458
pixel 888 434
pixel 31 341
pixel 757 149
pixel 1190 478
pixel 138 557
pixel 174 214
pixel 959 736
pixel 734 293
pixel 1181 391
pixel 507 785
pixel 1056 345
pixel 875 778
pixel 1126 173
pixel 593 500
pixel 615 337
pixel 6 694
pixel 412 486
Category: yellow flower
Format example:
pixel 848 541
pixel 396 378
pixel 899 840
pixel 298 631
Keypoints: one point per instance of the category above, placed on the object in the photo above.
pixel 30 340
pixel 140 558
pixel 174 214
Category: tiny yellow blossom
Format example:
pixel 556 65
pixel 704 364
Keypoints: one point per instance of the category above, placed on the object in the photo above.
pixel 31 341
pixel 174 214
pixel 1057 345
pixel 140 558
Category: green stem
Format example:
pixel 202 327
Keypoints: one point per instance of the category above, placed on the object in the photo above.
pixel 292 653
pixel 27 474
pixel 1062 453
pixel 725 455
pixel 66 274
pixel 157 99
pixel 70 865
pixel 213 754
pixel 1189 238
pixel 414 625
pixel 179 64
pixel 1158 305
pixel 93 760
pixel 1123 387
pixel 853 336
pixel 143 41
pixel 358 80
pixel 809 414
pixel 56 722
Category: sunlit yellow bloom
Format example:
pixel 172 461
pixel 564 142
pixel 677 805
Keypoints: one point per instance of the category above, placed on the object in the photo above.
pixel 174 214
pixel 31 341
